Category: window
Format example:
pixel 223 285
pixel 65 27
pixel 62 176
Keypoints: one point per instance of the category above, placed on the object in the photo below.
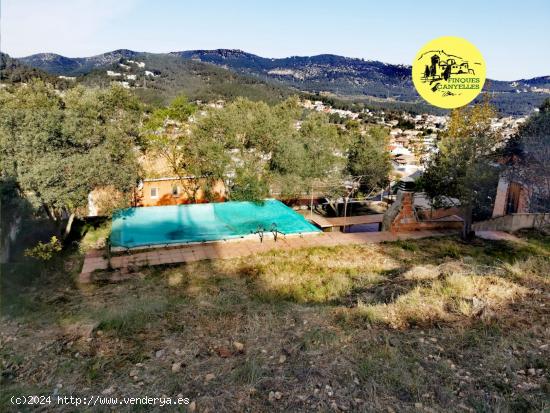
pixel 175 190
pixel 154 192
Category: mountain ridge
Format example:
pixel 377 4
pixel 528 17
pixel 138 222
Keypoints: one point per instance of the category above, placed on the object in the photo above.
pixel 329 74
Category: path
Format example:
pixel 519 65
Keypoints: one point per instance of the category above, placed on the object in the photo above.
pixel 94 260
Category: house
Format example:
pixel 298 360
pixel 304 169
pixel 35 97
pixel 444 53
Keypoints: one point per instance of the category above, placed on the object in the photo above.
pixel 174 191
pixel 512 197
pixel 154 192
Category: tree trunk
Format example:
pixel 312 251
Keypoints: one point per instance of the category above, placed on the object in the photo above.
pixel 467 233
pixel 49 212
pixel 68 226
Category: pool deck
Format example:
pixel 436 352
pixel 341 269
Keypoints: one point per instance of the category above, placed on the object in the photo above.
pixel 94 260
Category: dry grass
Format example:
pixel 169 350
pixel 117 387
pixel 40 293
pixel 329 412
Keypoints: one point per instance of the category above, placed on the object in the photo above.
pixel 313 275
pixel 443 300
pixel 429 323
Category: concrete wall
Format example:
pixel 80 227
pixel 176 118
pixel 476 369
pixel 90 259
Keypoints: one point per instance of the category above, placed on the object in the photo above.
pixel 8 235
pixel 513 222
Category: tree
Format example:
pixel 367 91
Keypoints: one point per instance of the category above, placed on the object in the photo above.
pixel 463 172
pixel 309 156
pixel 198 162
pixel 58 148
pixel 368 158
pixel 250 133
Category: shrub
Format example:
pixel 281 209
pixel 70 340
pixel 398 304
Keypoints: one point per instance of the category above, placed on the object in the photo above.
pixel 44 251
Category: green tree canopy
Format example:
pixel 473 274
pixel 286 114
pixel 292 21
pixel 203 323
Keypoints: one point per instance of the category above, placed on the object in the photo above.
pixel 368 158
pixel 59 147
pixel 464 167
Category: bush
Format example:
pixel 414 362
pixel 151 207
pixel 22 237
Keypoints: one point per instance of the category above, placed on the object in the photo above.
pixel 44 251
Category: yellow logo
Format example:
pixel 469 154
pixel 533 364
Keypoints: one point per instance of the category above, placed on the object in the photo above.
pixel 448 72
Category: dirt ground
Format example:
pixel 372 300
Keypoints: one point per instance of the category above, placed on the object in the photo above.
pixel 431 325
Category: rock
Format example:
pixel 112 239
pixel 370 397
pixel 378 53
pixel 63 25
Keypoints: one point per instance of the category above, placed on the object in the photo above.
pixel 176 367
pixel 418 405
pixel 192 406
pixel 133 373
pixel 209 377
pixel 274 396
pixel 82 330
pixel 108 390
pixel 282 359
pixel 159 353
pixel 223 352
pixel 532 372
pixel 238 346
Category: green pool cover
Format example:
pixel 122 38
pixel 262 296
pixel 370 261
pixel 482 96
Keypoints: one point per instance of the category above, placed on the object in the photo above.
pixel 148 226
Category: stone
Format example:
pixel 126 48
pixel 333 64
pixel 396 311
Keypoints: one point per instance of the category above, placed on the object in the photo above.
pixel 282 359
pixel 223 352
pixel 82 330
pixel 176 367
pixel 108 391
pixel 532 372
pixel 159 353
pixel 238 346
pixel 209 377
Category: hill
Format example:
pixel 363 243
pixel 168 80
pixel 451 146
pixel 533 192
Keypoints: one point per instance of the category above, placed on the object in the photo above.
pixel 157 78
pixel 13 71
pixel 229 72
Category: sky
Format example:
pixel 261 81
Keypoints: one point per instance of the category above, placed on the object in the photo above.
pixel 513 36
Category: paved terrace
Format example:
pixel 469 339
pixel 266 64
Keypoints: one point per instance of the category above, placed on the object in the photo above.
pixel 94 260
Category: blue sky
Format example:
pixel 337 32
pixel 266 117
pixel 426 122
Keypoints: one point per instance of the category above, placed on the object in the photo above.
pixel 513 36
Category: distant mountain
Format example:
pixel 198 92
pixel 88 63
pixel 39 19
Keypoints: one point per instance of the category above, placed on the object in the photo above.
pixel 73 66
pixel 340 75
pixel 156 78
pixel 13 71
pixel 330 75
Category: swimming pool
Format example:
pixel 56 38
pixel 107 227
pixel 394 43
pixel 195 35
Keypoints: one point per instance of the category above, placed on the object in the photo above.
pixel 180 224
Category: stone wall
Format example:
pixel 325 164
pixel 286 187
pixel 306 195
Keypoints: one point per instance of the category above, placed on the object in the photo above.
pixel 513 222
